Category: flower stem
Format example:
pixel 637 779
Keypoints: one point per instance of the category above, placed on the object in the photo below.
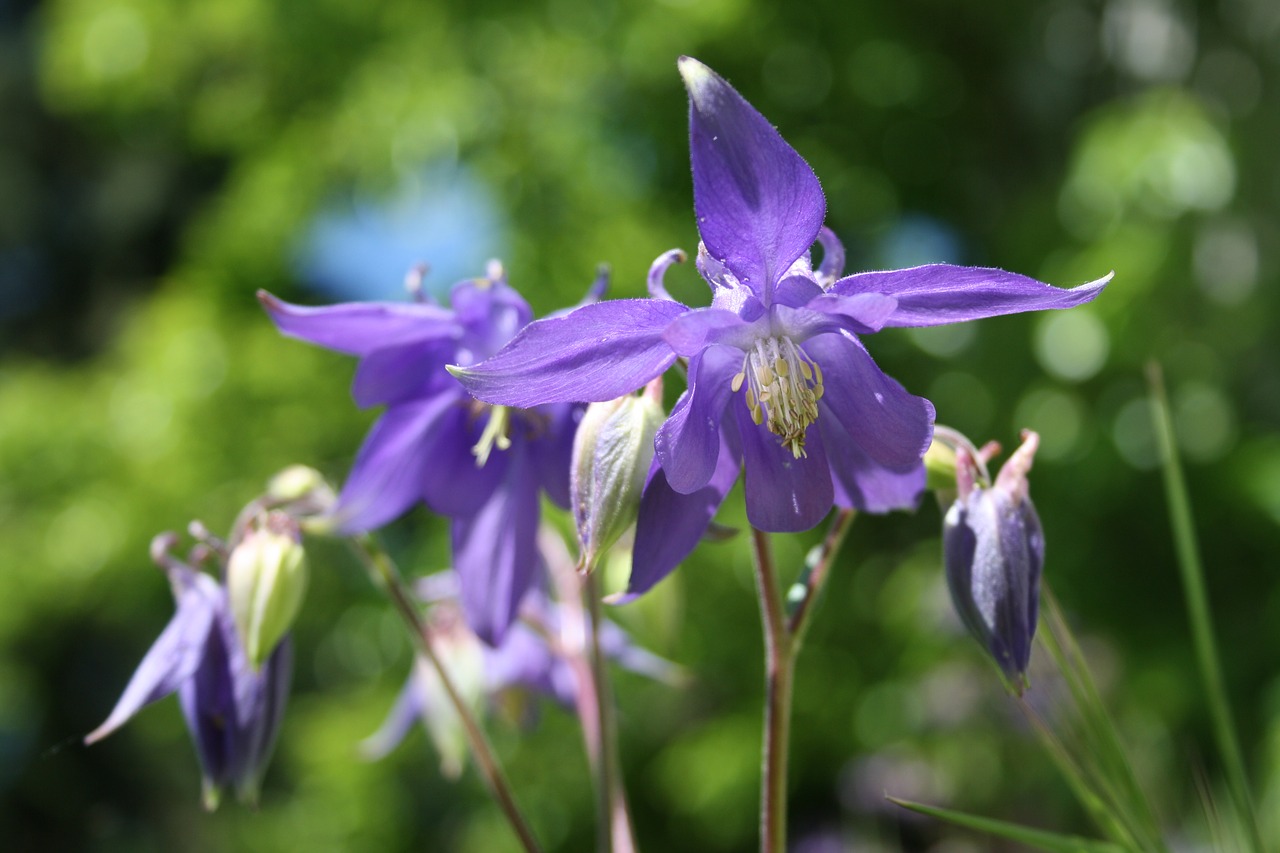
pixel 785 623
pixel 579 643
pixel 779 669
pixel 808 588
pixel 610 764
pixel 384 573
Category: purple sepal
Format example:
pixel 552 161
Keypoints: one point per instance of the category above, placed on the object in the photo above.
pixel 937 294
pixel 670 524
pixel 495 551
pixel 758 203
pixel 599 352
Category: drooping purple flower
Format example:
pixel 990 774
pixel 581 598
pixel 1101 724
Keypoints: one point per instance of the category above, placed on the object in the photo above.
pixel 780 385
pixel 232 710
pixel 993 549
pixel 529 661
pixel 482 466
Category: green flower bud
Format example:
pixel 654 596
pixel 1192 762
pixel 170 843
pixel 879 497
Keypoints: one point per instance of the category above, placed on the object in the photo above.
pixel 305 495
pixel 612 452
pixel 266 582
pixel 940 467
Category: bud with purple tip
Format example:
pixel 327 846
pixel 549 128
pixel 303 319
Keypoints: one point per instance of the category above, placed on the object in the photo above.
pixel 994 552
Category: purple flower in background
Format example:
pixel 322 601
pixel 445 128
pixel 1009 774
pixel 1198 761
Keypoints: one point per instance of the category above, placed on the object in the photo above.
pixel 483 466
pixel 993 549
pixel 779 383
pixel 530 660
pixel 232 710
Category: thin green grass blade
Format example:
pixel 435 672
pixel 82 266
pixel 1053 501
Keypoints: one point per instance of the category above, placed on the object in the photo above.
pixel 1096 740
pixel 1192 573
pixel 1040 839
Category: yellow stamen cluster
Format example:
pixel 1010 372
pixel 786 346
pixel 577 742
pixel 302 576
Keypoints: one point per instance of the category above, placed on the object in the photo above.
pixel 783 386
pixel 496 433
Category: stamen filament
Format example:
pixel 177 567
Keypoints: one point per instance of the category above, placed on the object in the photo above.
pixel 783 387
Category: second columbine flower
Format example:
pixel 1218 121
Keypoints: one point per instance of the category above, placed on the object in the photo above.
pixel 483 466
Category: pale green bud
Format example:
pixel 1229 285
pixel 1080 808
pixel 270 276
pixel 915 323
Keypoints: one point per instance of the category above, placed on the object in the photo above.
pixel 305 495
pixel 940 467
pixel 612 452
pixel 266 582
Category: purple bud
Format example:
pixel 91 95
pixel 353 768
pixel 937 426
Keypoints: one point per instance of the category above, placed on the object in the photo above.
pixel 994 552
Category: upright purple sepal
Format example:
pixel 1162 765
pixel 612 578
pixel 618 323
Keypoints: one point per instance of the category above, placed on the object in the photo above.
pixel 758 203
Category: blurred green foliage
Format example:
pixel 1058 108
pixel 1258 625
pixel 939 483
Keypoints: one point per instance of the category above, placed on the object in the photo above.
pixel 162 159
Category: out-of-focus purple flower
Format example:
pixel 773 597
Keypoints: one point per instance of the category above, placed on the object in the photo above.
pixel 232 710
pixel 530 660
pixel 481 465
pixel 993 548
pixel 780 385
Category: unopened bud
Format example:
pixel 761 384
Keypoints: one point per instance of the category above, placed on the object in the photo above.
pixel 994 553
pixel 304 493
pixel 611 455
pixel 266 582
pixel 940 467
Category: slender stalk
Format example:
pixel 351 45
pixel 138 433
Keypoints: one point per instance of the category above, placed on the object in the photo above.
pixel 779 672
pixel 384 573
pixel 1198 613
pixel 579 643
pixel 610 762
pixel 808 588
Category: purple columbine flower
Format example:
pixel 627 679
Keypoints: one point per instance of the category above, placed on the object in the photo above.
pixel 481 465
pixel 993 549
pixel 780 384
pixel 529 661
pixel 232 710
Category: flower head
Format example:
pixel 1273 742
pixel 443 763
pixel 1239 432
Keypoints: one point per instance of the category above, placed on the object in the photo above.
pixel 530 661
pixel 780 384
pixel 993 548
pixel 232 709
pixel 483 466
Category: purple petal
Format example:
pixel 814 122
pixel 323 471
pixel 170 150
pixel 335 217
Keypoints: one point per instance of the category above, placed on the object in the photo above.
pixel 796 291
pixel 619 648
pixel 860 483
pixel 523 660
pixel 359 328
pixel 491 312
pixel 597 353
pixel 940 293
pixel 670 524
pixel 688 442
pixel 832 265
pixel 759 205
pixel 407 710
pixel 861 314
pixel 392 467
pixel 258 733
pixel 495 551
pixel 699 328
pixel 553 449
pixel 402 372
pixel 658 269
pixel 209 707
pixel 891 426
pixel 784 494
pixel 454 484
pixel 171 660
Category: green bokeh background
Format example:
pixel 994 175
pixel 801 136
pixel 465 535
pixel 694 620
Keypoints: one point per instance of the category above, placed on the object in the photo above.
pixel 162 159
